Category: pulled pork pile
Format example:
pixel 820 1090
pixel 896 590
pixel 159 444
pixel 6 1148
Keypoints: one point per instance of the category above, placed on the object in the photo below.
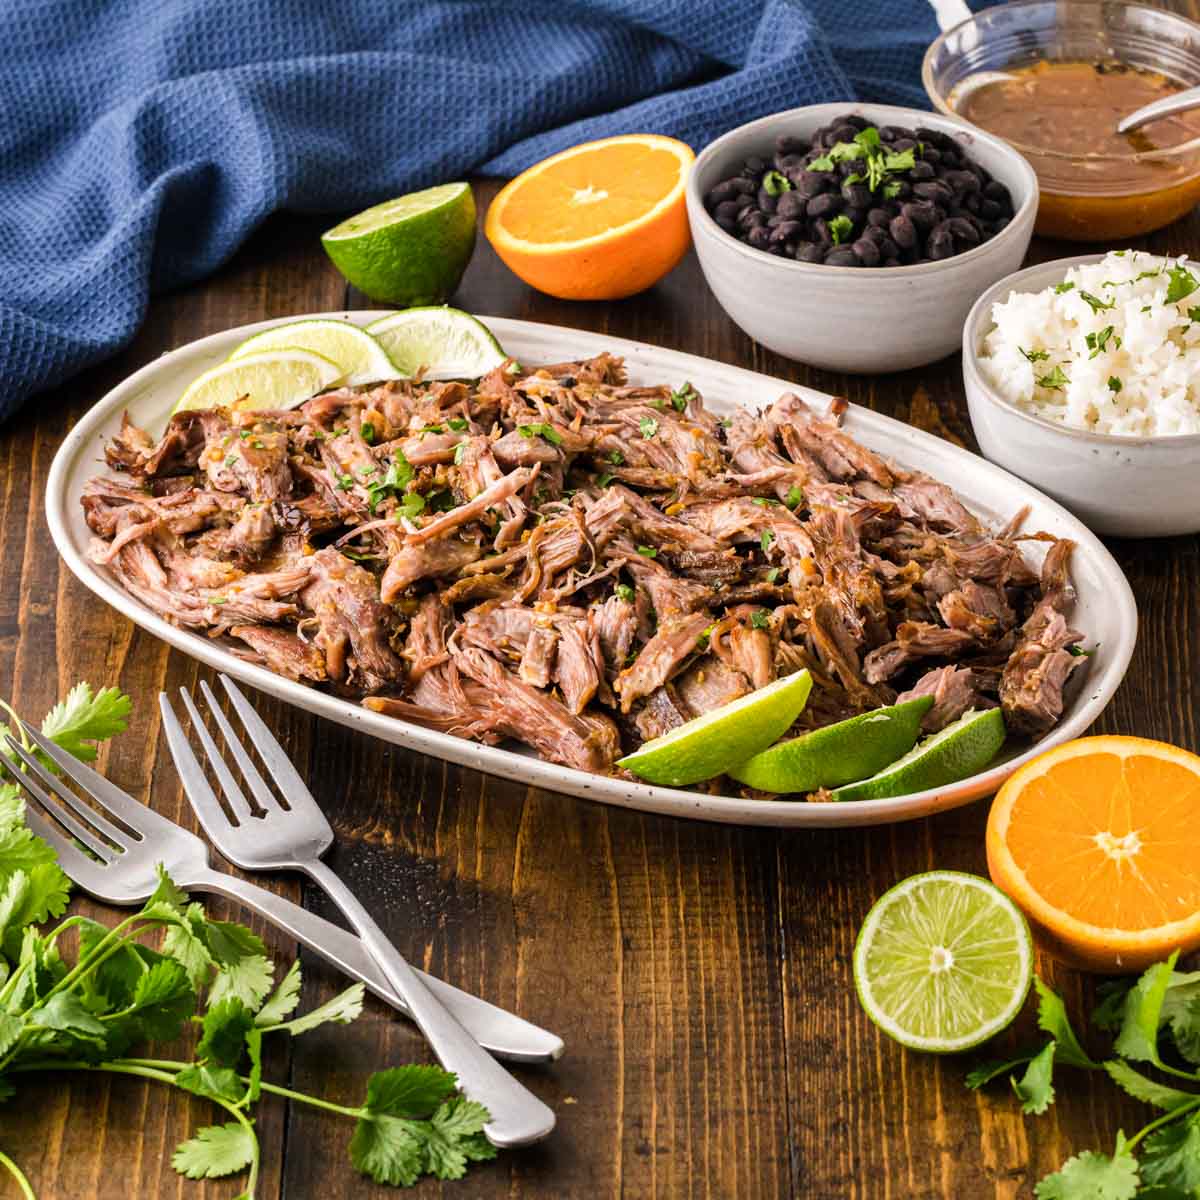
pixel 578 564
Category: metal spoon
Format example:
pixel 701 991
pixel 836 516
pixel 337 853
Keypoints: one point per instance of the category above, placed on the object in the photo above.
pixel 1168 106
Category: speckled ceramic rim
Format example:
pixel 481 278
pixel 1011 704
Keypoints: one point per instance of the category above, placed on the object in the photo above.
pixel 979 322
pixel 765 128
pixel 80 456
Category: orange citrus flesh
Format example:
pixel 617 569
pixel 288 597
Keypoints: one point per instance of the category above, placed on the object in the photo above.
pixel 597 222
pixel 1098 841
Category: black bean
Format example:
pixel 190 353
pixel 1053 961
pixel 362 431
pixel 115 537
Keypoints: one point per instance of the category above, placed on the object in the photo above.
pixel 888 248
pixel 857 195
pixel 961 181
pixel 788 162
pixel 748 218
pixel 790 206
pixel 933 189
pixel 776 248
pixel 820 227
pixel 754 167
pixel 921 215
pixel 989 210
pixel 721 191
pixel 813 183
pixel 766 201
pixel 878 216
pixel 785 143
pixel 1003 223
pixel 891 262
pixel 867 252
pixel 759 237
pixel 940 244
pixel 727 210
pixel 810 253
pixel 841 256
pixel 827 205
pixel 859 123
pixel 894 133
pixel 995 190
pixel 921 170
pixel 773 220
pixel 931 154
pixel 903 230
pixel 747 187
pixel 845 132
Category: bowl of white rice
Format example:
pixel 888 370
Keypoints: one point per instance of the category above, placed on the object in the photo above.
pixel 1083 377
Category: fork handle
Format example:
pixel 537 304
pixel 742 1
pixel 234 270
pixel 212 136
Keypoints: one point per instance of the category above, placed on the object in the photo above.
pixel 518 1117
pixel 502 1032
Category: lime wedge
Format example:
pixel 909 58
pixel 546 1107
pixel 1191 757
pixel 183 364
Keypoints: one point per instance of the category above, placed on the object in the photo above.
pixel 943 961
pixel 448 342
pixel 361 357
pixel 836 754
pixel 411 250
pixel 711 744
pixel 283 379
pixel 959 751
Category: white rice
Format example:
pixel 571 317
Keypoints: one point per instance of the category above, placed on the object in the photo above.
pixel 1140 376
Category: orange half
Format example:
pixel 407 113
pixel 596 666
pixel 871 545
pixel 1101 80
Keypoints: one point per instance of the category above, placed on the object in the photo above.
pixel 597 222
pixel 1098 841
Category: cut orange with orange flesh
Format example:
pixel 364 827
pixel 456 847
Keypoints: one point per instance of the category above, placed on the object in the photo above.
pixel 597 222
pixel 1098 842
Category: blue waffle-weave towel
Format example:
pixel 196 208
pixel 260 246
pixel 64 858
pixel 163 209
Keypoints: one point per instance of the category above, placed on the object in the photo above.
pixel 141 141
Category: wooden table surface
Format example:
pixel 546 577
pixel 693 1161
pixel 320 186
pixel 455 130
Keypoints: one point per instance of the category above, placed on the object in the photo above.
pixel 699 974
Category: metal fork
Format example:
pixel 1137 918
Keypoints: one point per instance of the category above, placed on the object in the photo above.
pixel 123 872
pixel 293 836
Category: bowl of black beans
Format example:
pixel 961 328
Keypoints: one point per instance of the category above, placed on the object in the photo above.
pixel 857 237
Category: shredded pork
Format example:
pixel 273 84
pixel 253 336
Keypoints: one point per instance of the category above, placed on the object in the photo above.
pixel 562 559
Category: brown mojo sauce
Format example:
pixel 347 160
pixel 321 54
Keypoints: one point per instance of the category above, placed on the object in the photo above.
pixel 1073 108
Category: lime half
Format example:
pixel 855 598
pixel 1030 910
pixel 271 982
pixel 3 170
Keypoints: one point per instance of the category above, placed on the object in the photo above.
pixel 959 751
pixel 836 754
pixel 361 357
pixel 943 961
pixel 411 250
pixel 283 379
pixel 713 743
pixel 447 342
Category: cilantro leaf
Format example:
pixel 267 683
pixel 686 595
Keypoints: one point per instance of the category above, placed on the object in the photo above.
pixel 1052 1017
pixel 1114 384
pixel 216 1150
pixel 839 228
pixel 284 999
pixel 387 1149
pixel 254 1052
pixel 993 1068
pixel 342 1009
pixel 64 1012
pixel 1092 1176
pixel 1149 1091
pixel 1109 1013
pixel 543 429
pixel 775 183
pixel 248 980
pixel 1059 288
pixel 413 1091
pixel 1054 381
pixel 625 592
pixel 1182 283
pixel 225 1025
pixel 1035 1089
pixel 393 481
pixel 1138 1038
pixel 1034 355
pixel 681 397
pixel 1171 1156
pixel 1095 303
pixel 163 999
pixel 455 1136
pixel 760 619
pixel 648 426
pixel 216 1083
pixel 10 1030
pixel 794 497
pixel 1185 1029
pixel 185 943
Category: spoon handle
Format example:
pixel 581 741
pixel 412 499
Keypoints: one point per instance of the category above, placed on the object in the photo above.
pixel 950 13
pixel 1166 107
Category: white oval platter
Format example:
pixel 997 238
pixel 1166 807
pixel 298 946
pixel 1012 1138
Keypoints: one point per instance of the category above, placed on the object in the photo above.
pixel 1105 610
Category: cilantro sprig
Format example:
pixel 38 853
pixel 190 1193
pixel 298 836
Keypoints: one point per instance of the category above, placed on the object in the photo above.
pixel 93 1011
pixel 1155 1057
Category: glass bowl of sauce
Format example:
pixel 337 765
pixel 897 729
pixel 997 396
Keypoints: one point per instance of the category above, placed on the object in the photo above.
pixel 1052 77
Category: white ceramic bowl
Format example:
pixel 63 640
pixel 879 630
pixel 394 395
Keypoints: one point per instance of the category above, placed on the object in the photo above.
pixel 1120 485
pixel 862 321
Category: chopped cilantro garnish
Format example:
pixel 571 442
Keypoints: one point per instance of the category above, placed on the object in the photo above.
pixel 1080 652
pixel 231 460
pixel 368 433
pixel 542 428
pixel 648 426
pixel 1096 342
pixel 760 619
pixel 772 574
pixel 397 477
pixel 458 424
pixel 647 551
pixel 345 483
pixel 839 227
pixel 1194 313
pixel 765 541
pixel 1114 384
pixel 617 458
pixel 1183 283
pixel 431 429
pixel 794 497
pixel 681 397
pixel 1035 355
pixel 625 592
pixel 1094 302
pixel 412 505
pixel 460 452
pixel 763 501
pixel 605 479
pixel 891 189
pixel 1062 287
pixel 775 184
pixel 1055 380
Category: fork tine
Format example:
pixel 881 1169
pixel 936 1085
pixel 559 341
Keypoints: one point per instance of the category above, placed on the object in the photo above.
pixel 118 836
pixel 238 803
pixel 203 799
pixel 258 785
pixel 86 872
pixel 64 818
pixel 138 816
pixel 272 753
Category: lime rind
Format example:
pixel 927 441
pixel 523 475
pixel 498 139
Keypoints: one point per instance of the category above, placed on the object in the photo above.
pixel 836 754
pixel 391 212
pixel 280 380
pixel 955 753
pixel 943 962
pixel 360 355
pixel 708 745
pixel 447 342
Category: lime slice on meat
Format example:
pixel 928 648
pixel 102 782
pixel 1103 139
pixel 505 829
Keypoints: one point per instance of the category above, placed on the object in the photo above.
pixel 836 754
pixel 411 250
pixel 283 379
pixel 959 751
pixel 447 342
pixel 714 742
pixel 361 357
pixel 943 961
